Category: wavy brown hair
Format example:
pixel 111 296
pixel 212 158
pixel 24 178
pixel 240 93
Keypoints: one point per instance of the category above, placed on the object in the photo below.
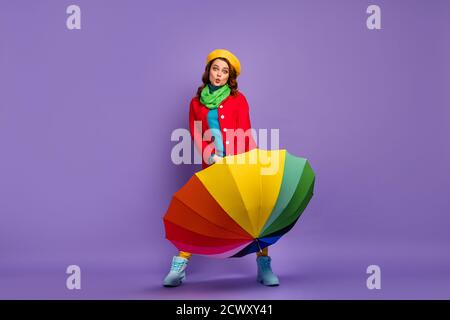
pixel 232 82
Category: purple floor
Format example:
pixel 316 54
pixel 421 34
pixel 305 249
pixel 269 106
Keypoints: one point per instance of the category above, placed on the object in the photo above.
pixel 310 272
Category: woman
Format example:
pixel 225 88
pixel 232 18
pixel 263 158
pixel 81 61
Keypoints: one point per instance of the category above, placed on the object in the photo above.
pixel 219 112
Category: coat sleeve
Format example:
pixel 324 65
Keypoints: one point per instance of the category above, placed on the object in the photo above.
pixel 197 134
pixel 243 122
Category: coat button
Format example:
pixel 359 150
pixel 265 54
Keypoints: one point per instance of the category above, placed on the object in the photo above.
pixel 224 129
pixel 222 116
pixel 227 142
pixel 221 106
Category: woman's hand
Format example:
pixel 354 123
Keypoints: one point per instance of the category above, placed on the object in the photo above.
pixel 217 159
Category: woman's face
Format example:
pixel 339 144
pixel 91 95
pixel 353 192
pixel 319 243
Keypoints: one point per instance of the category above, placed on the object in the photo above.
pixel 219 72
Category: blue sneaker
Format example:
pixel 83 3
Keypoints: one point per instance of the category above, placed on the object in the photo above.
pixel 265 274
pixel 177 273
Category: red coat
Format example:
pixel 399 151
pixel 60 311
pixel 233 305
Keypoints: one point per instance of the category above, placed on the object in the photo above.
pixel 233 114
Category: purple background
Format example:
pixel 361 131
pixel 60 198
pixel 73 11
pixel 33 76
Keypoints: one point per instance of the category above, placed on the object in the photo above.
pixel 85 123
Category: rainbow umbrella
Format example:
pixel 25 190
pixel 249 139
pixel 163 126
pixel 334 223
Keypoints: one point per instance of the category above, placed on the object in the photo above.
pixel 240 206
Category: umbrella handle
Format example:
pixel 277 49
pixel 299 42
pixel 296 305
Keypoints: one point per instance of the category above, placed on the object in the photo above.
pixel 257 242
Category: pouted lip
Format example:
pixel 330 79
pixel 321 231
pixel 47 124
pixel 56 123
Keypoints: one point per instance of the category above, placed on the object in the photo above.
pixel 217 80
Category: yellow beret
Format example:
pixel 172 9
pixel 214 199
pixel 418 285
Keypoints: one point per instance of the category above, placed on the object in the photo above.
pixel 222 53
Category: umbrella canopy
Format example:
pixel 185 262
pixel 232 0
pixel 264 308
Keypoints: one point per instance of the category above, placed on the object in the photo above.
pixel 241 205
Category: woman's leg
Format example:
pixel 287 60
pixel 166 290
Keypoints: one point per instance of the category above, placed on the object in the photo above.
pixel 184 254
pixel 265 274
pixel 177 273
pixel 263 253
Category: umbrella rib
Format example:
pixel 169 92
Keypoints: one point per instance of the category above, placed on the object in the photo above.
pixel 241 199
pixel 234 241
pixel 209 221
pixel 260 206
pixel 281 206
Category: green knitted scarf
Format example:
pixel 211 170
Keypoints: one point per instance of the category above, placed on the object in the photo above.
pixel 212 100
